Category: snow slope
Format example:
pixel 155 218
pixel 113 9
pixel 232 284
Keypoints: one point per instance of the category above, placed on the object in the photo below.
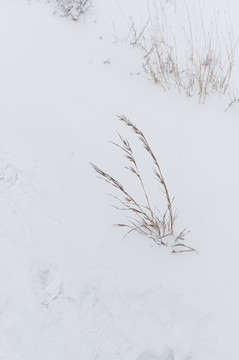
pixel 70 288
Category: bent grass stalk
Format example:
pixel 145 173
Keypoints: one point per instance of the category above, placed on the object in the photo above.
pixel 143 218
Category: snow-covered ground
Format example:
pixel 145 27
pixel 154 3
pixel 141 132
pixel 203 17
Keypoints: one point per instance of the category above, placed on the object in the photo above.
pixel 70 288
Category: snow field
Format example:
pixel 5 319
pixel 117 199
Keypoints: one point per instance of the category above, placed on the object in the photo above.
pixel 69 286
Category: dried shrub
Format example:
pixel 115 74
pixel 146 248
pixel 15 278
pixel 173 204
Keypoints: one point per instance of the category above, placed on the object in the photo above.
pixel 73 8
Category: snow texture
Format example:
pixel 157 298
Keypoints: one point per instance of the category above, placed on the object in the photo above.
pixel 70 288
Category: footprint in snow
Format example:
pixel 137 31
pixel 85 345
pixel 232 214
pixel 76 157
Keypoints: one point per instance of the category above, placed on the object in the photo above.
pixel 95 316
pixel 48 285
pixel 98 325
pixel 8 175
pixel 150 355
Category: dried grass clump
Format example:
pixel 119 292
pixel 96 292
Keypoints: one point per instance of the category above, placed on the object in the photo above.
pixel 144 218
pixel 73 8
pixel 203 64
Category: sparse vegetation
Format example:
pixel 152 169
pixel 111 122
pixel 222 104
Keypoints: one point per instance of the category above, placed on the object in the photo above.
pixel 144 218
pixel 202 67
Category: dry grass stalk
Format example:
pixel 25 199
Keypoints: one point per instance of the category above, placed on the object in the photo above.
pixel 143 218
pixel 234 99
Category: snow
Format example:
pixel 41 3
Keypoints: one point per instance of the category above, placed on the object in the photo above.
pixel 70 288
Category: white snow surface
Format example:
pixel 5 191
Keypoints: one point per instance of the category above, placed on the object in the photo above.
pixel 70 288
